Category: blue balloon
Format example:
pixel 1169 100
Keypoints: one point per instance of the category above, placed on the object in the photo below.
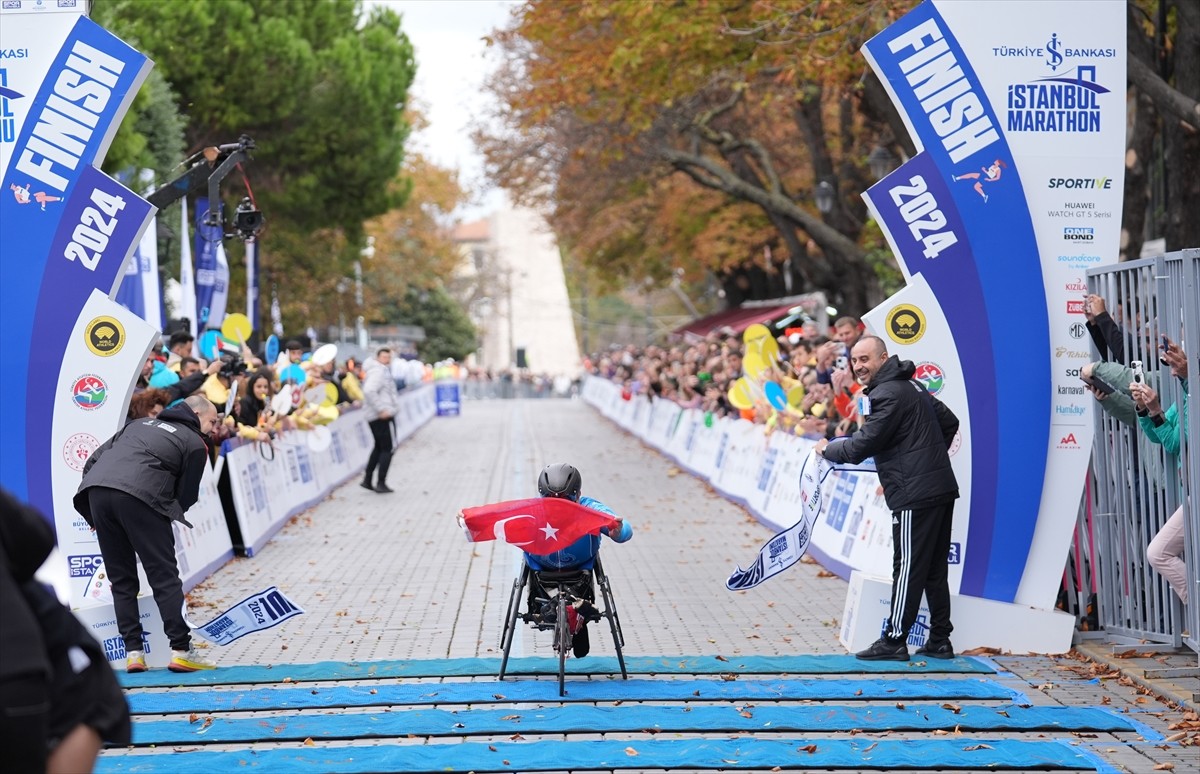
pixel 209 344
pixel 293 373
pixel 775 395
pixel 272 351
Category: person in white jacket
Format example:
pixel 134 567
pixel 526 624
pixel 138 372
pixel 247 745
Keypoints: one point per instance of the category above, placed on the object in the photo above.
pixel 381 401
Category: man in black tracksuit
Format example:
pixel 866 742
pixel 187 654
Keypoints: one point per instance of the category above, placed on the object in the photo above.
pixel 134 486
pixel 908 432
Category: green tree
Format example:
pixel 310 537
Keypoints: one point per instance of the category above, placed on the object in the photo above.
pixel 321 86
pixel 448 331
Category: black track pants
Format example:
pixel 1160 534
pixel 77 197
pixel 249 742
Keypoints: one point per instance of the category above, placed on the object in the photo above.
pixel 920 550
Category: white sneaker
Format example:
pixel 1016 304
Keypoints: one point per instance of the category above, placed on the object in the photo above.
pixel 189 661
pixel 135 661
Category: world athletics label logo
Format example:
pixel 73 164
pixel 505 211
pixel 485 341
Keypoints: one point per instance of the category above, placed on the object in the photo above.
pixel 931 375
pixel 905 324
pixel 89 392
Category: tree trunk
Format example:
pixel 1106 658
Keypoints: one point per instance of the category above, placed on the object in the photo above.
pixel 1138 157
pixel 1183 138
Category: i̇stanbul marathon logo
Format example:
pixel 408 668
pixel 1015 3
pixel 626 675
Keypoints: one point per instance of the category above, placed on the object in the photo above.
pixel 1068 100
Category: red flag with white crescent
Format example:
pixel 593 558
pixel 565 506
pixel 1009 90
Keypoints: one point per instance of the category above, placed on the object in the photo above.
pixel 539 525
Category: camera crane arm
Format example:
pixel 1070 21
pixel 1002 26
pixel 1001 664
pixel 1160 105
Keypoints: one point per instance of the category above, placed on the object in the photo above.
pixel 214 164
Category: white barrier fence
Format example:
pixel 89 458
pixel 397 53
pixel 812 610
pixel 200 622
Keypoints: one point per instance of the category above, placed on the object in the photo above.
pixel 267 491
pixel 853 536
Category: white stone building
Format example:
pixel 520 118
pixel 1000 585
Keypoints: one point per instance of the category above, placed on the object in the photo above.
pixel 512 281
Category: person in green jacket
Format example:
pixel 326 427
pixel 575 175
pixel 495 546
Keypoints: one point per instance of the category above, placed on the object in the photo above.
pixel 1165 551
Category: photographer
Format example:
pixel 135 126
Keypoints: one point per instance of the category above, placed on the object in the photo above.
pixel 221 375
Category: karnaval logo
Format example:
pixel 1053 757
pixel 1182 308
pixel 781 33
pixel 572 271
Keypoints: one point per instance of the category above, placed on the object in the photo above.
pixel 104 336
pixel 931 375
pixel 1066 101
pixel 89 392
pixel 1077 330
pixel 78 448
pixel 905 324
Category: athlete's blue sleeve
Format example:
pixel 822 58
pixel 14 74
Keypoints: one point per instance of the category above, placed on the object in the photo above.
pixel 626 531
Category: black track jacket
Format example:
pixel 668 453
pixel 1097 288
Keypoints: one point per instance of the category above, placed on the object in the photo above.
pixel 907 432
pixel 159 461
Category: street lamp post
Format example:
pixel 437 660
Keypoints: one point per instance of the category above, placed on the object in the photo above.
pixel 823 195
pixel 880 161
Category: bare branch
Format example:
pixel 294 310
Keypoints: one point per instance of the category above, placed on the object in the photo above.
pixel 1169 101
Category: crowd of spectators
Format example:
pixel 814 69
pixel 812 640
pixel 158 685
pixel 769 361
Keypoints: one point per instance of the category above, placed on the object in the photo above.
pixel 698 374
pixel 316 392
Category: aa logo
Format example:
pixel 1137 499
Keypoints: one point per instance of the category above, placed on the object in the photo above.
pixel 104 336
pixel 905 324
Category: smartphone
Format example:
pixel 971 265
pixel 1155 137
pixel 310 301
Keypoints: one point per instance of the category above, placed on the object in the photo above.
pixel 842 363
pixel 1165 343
pixel 1099 384
pixel 1139 376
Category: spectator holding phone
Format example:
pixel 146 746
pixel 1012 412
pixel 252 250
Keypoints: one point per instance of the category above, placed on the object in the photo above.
pixel 1165 551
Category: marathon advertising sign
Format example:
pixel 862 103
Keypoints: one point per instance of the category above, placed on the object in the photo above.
pixel 1017 108
pixel 69 231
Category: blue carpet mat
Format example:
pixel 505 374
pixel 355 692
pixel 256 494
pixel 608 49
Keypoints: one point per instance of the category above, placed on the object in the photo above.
pixel 833 689
pixel 885 754
pixel 632 719
pixel 601 665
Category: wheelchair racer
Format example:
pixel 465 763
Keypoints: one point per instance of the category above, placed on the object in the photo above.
pixel 564 480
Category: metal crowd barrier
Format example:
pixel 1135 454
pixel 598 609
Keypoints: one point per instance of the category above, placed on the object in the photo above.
pixel 1135 485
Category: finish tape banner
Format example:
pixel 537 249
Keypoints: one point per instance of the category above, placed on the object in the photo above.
pixel 1017 109
pixel 69 230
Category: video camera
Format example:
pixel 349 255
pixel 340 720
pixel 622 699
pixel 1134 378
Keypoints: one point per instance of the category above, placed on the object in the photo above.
pixel 248 220
pixel 232 365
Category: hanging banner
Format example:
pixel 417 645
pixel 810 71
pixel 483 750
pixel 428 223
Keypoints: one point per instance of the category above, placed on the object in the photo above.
pixel 139 291
pixel 212 270
pixel 1017 109
pixel 187 280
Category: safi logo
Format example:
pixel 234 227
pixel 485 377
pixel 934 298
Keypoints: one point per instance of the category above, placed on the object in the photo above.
pixel 89 392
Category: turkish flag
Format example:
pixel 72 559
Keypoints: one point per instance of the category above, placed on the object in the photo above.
pixel 539 526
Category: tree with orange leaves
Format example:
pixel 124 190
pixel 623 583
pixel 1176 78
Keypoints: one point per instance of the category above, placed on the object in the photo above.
pixel 604 103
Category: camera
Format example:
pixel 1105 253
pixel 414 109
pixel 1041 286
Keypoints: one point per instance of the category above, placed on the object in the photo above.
pixel 1139 376
pixel 232 365
pixel 247 219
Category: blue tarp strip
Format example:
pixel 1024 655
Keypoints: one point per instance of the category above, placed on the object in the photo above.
pixel 586 719
pixel 544 755
pixel 601 665
pixel 833 689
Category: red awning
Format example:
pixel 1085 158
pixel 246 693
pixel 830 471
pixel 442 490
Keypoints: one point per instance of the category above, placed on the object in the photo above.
pixel 738 319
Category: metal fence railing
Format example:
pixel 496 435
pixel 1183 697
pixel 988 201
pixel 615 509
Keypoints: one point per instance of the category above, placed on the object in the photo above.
pixel 1135 485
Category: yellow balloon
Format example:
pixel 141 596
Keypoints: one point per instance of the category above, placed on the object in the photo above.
pixel 768 349
pixel 331 395
pixel 756 331
pixel 753 364
pixel 740 394
pixel 236 327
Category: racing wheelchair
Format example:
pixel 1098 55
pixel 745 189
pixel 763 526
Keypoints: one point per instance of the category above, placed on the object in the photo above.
pixel 559 601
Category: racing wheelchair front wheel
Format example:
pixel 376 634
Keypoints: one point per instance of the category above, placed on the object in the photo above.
pixel 511 618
